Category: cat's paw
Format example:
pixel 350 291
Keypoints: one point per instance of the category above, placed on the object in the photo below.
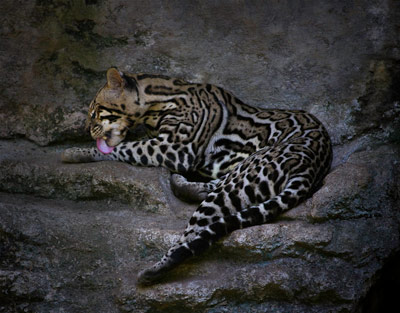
pixel 77 155
pixel 191 192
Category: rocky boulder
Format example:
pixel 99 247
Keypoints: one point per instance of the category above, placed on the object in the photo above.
pixel 337 60
pixel 74 236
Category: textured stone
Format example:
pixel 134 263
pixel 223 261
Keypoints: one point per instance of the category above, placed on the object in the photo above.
pixel 40 172
pixel 321 257
pixel 337 60
pixel 74 236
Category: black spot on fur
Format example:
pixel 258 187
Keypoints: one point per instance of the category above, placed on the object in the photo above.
pixel 250 193
pixel 160 158
pixel 150 150
pixel 180 254
pixel 291 202
pixel 219 229
pixel 235 200
pixel 256 217
pixel 278 185
pixel 215 219
pixel 250 177
pixel 171 156
pixel 272 206
pixel 245 214
pixel 263 186
pixel 209 211
pixel 144 160
pixel 203 222
pixel 285 199
pixel 129 153
pixel 163 148
pixel 232 223
pixel 198 245
pixel 273 176
pixel 169 164
pixel 225 211
pixel 205 235
pixel 220 199
pixel 181 168
pixel 228 188
pixel 295 185
pixel 181 156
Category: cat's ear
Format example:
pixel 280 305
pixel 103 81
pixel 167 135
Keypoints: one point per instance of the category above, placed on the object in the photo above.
pixel 114 79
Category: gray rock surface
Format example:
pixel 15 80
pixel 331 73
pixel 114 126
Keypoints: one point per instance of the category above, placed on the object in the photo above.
pixel 70 244
pixel 74 236
pixel 336 59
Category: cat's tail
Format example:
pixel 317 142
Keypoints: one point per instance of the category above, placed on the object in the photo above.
pixel 294 192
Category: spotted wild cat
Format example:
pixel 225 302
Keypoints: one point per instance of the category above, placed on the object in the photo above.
pixel 259 162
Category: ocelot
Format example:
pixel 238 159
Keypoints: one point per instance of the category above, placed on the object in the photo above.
pixel 256 163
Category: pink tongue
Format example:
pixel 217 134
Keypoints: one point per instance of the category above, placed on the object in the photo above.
pixel 103 147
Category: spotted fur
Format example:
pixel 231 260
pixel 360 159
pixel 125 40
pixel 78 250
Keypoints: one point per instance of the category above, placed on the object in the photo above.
pixel 258 162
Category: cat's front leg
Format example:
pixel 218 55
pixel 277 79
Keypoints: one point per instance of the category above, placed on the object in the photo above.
pixel 84 155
